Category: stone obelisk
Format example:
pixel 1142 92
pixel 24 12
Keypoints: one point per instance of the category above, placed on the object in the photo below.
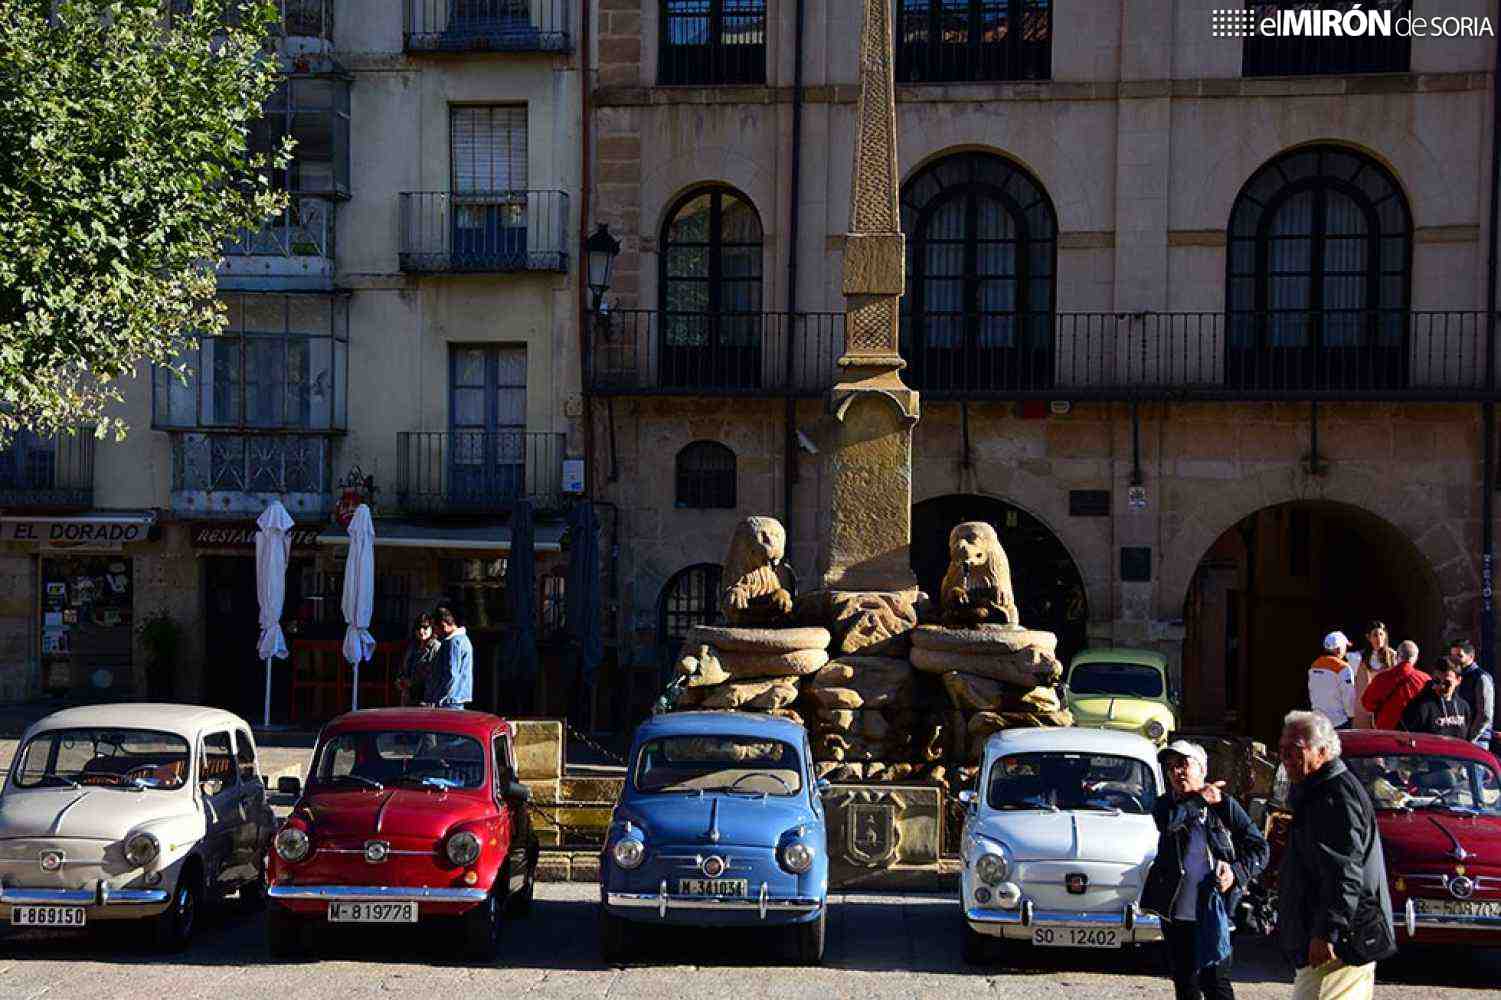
pixel 868 476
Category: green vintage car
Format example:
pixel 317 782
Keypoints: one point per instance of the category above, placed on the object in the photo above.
pixel 1126 689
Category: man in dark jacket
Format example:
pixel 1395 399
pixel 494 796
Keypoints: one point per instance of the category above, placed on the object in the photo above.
pixel 1439 710
pixel 1204 836
pixel 1334 917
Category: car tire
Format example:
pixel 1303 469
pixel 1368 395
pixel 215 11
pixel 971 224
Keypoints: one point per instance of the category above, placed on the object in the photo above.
pixel 614 936
pixel 253 895
pixel 808 939
pixel 521 902
pixel 174 926
pixel 976 947
pixel 285 937
pixel 482 929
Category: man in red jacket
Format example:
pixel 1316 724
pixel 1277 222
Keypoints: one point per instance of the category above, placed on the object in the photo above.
pixel 1390 690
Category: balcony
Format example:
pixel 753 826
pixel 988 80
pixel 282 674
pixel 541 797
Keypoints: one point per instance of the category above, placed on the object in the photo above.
pixel 477 472
pixel 293 251
pixel 302 27
pixel 1271 355
pixel 53 473
pixel 441 26
pixel 238 474
pixel 483 232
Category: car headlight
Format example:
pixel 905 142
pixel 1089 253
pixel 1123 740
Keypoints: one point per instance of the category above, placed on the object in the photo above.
pixel 142 849
pixel 797 857
pixel 991 869
pixel 463 848
pixel 628 853
pixel 292 844
pixel 1155 730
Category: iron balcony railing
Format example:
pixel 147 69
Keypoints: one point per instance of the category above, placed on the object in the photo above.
pixel 486 26
pixel 48 472
pixel 944 41
pixel 298 18
pixel 1274 354
pixel 476 472
pixel 305 229
pixel 1289 51
pixel 483 231
pixel 237 473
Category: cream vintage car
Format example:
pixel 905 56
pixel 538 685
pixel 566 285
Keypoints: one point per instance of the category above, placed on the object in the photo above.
pixel 1057 840
pixel 132 812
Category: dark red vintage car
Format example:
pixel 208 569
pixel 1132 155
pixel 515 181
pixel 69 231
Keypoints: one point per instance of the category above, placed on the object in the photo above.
pixel 1438 807
pixel 409 814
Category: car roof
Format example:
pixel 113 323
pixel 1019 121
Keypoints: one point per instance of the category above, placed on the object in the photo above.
pixel 443 720
pixel 180 719
pixel 1377 742
pixel 1040 739
pixel 721 723
pixel 1121 654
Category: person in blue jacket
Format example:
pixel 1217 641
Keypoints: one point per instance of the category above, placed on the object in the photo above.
pixel 452 683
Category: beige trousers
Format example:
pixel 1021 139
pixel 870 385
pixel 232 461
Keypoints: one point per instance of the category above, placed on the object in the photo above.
pixel 1335 981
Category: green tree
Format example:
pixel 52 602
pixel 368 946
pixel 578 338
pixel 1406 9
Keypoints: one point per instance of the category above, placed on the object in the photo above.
pixel 124 166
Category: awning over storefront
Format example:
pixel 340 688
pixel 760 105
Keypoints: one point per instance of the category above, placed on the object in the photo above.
pixel 488 537
pixel 92 530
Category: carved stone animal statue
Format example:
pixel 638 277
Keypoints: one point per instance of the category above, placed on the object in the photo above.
pixel 977 587
pixel 755 583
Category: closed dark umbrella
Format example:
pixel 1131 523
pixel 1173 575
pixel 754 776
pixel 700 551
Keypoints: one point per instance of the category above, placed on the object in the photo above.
pixel 521 585
pixel 582 592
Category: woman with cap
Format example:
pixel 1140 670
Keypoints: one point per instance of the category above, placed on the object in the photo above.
pixel 1206 845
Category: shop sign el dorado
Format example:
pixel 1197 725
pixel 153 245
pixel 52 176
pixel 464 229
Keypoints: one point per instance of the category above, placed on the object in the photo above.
pixel 64 532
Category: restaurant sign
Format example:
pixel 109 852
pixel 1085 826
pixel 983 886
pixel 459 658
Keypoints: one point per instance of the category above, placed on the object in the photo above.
pixel 75 532
pixel 241 535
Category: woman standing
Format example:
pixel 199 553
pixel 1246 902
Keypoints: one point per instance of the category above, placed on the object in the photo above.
pixel 418 666
pixel 1376 656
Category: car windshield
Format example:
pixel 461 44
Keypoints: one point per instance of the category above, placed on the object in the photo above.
pixel 1062 781
pixel 1422 781
pixel 1129 680
pixel 106 757
pixel 719 764
pixel 375 759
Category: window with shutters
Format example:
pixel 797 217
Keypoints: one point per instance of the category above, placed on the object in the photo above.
pixel 712 42
pixel 487 417
pixel 488 186
pixel 706 475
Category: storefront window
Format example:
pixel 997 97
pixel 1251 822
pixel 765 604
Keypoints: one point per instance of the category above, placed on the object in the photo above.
pixel 85 624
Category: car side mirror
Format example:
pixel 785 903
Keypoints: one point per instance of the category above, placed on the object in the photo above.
pixel 967 797
pixel 518 791
pixel 211 786
pixel 822 786
pixel 289 785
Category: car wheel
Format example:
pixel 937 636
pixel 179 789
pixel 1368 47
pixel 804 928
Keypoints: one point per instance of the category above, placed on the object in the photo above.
pixel 253 895
pixel 175 925
pixel 482 929
pixel 521 902
pixel 976 948
pixel 808 939
pixel 614 936
pixel 284 934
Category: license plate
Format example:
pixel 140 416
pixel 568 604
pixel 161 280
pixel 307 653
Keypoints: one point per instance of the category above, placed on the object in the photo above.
pixel 48 916
pixel 1458 908
pixel 712 887
pixel 1077 937
pixel 372 913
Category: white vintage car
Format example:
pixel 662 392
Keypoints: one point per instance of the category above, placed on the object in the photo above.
pixel 119 812
pixel 1057 840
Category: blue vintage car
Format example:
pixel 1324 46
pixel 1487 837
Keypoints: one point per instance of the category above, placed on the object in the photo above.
pixel 720 823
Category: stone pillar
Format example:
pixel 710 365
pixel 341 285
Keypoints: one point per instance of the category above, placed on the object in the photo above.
pixel 868 480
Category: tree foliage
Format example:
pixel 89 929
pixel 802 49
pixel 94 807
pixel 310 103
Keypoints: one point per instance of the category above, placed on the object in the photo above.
pixel 124 166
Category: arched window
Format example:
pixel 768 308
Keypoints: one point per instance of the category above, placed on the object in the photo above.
pixel 712 42
pixel 706 475
pixel 711 292
pixel 1319 274
pixel 690 597
pixel 945 40
pixel 981 247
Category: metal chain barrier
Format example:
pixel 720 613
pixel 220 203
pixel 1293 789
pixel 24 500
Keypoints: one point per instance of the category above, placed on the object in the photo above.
pixel 586 741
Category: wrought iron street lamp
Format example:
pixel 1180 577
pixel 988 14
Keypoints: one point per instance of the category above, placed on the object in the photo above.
pixel 600 250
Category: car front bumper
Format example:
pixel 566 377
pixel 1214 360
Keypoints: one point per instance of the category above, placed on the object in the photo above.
pixel 675 907
pixel 1019 922
pixel 1410 920
pixel 103 902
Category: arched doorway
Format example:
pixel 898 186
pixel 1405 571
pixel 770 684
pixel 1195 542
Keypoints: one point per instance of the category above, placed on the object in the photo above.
pixel 1049 588
pixel 1270 588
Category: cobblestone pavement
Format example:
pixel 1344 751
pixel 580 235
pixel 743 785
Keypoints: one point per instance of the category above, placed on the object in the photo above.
pixel 879 946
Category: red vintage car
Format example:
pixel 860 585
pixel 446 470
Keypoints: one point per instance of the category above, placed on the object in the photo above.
pixel 1438 807
pixel 409 814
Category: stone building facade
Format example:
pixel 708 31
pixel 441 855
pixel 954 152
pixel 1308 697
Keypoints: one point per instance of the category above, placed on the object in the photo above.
pixel 1199 323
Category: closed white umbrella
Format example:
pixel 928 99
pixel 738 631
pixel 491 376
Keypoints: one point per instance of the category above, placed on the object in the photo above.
pixel 273 546
pixel 359 594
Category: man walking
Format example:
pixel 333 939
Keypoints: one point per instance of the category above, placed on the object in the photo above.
pixel 1392 690
pixel 1334 916
pixel 453 673
pixel 1478 689
pixel 1439 709
pixel 1331 682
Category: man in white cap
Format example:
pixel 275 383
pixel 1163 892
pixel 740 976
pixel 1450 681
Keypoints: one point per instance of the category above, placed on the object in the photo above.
pixel 1331 682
